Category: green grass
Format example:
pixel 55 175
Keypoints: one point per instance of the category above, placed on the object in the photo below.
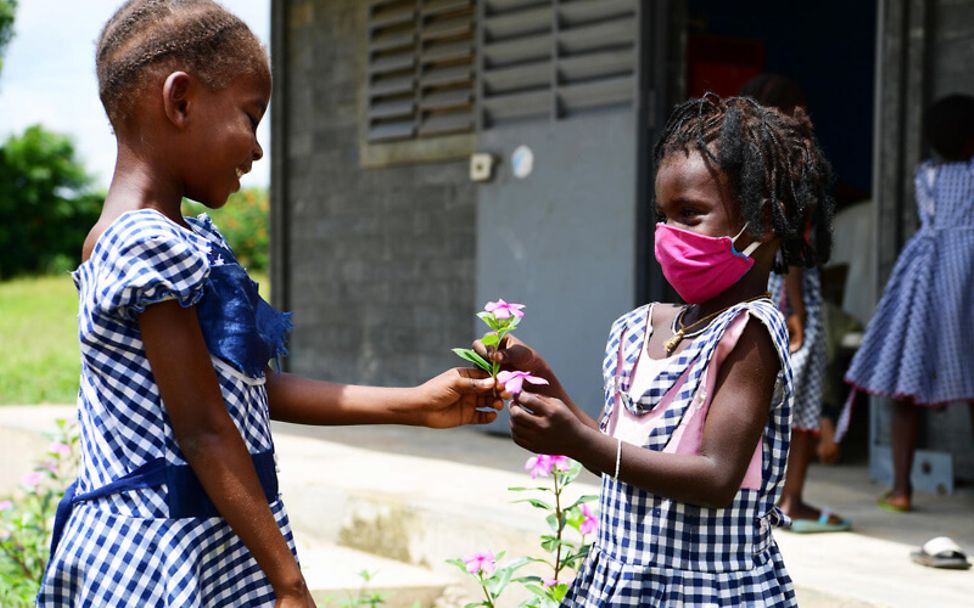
pixel 39 338
pixel 38 331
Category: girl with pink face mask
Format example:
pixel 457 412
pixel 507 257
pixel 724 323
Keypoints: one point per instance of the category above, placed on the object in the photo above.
pixel 692 444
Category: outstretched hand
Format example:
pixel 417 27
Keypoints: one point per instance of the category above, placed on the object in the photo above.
pixel 458 396
pixel 544 425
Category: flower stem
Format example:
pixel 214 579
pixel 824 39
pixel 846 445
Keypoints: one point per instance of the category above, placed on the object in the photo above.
pixel 489 601
pixel 561 524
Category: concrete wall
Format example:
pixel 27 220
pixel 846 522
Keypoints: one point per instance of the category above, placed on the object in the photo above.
pixel 376 264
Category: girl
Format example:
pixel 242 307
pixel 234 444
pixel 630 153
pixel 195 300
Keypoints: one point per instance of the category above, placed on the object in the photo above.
pixel 176 503
pixel 693 441
pixel 917 347
pixel 798 293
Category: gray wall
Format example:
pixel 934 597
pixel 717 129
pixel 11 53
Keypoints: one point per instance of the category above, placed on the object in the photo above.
pixel 376 264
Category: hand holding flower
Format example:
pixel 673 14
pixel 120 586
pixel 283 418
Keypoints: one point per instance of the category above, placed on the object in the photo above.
pixel 456 397
pixel 544 425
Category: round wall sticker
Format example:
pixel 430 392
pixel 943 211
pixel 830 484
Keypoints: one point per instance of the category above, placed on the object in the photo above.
pixel 522 162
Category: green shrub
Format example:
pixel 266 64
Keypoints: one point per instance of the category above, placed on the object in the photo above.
pixel 47 205
pixel 26 519
pixel 244 223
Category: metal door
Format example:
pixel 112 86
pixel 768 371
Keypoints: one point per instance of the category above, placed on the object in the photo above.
pixel 561 223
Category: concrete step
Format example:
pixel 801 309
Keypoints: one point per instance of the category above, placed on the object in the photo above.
pixel 334 576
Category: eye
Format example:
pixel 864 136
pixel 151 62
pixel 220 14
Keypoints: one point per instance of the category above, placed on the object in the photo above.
pixel 254 121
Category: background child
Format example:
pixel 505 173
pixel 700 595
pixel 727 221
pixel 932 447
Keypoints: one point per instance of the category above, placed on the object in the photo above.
pixel 799 294
pixel 917 346
pixel 176 503
pixel 693 442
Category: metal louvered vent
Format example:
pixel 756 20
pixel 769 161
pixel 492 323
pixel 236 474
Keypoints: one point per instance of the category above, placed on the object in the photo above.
pixel 420 69
pixel 551 58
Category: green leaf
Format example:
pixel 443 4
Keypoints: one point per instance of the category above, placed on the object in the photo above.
pixel 525 489
pixel 534 502
pixel 489 319
pixel 490 339
pixel 584 499
pixel 471 356
pixel 500 581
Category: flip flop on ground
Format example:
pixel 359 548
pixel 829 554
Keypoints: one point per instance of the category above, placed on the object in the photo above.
pixel 941 552
pixel 822 524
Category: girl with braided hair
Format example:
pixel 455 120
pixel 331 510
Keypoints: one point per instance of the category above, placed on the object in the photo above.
pixel 798 293
pixel 176 502
pixel 693 441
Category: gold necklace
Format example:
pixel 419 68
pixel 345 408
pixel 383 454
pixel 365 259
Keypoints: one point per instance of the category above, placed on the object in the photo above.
pixel 686 330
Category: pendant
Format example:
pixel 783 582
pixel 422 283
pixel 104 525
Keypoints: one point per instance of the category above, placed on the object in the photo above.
pixel 670 345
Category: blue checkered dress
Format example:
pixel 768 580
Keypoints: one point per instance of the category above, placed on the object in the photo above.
pixel 124 549
pixel 654 551
pixel 918 342
pixel 809 361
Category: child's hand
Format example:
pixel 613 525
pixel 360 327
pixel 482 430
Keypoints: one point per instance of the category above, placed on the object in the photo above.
pixel 295 601
pixel 456 397
pixel 513 354
pixel 796 332
pixel 544 425
pixel 828 450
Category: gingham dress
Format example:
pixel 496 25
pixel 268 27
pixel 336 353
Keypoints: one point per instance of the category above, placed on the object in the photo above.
pixel 918 343
pixel 654 551
pixel 124 549
pixel 808 362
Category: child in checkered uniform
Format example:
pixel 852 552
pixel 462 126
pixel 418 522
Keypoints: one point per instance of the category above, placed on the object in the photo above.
pixel 917 346
pixel 799 295
pixel 693 441
pixel 176 502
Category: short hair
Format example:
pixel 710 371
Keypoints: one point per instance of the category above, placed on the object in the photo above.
pixel 949 125
pixel 775 167
pixel 145 37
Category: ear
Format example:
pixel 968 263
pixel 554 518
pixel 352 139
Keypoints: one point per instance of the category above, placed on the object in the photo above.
pixel 177 94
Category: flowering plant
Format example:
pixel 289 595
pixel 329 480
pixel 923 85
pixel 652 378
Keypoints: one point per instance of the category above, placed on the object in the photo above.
pixel 502 318
pixel 26 517
pixel 563 553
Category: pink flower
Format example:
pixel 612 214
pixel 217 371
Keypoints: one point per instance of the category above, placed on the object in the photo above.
pixel 480 562
pixel 504 310
pixel 59 448
pixel 5 505
pixel 514 381
pixel 542 465
pixel 50 465
pixel 32 479
pixel 550 582
pixel 590 523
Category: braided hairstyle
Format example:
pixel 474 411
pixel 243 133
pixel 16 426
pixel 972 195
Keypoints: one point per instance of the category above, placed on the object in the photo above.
pixel 146 38
pixel 776 170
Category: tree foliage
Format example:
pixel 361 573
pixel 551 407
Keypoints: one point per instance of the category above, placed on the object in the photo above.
pixel 8 9
pixel 47 205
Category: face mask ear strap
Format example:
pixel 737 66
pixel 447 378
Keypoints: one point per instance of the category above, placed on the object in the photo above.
pixel 751 248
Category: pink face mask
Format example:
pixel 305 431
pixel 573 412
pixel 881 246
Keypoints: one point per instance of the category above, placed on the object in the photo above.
pixel 700 267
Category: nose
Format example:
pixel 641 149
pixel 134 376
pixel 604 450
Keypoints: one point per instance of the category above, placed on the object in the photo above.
pixel 258 151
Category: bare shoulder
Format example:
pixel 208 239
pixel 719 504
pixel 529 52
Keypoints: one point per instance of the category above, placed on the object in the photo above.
pixel 754 354
pixel 93 235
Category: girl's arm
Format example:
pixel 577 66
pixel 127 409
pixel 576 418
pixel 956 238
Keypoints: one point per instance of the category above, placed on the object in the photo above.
pixel 453 398
pixel 794 289
pixel 211 443
pixel 735 422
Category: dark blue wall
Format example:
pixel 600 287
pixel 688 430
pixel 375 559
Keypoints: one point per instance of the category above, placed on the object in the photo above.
pixel 829 48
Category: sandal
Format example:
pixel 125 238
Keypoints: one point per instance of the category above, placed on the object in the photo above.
pixel 885 503
pixel 822 524
pixel 941 552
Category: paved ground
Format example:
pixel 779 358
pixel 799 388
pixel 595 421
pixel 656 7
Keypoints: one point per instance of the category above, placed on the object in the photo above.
pixel 418 497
